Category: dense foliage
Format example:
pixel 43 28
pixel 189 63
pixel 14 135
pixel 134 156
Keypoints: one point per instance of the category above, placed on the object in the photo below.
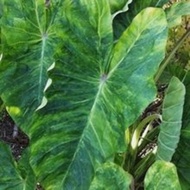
pixel 76 77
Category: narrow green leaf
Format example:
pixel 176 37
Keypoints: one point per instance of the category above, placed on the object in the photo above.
pixel 111 176
pixel 170 128
pixel 162 175
pixel 176 11
pixel 11 177
pixel 182 155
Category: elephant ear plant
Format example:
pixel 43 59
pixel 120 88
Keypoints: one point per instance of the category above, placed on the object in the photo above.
pixel 78 93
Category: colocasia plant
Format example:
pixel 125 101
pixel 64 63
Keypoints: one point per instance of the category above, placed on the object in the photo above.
pixel 76 77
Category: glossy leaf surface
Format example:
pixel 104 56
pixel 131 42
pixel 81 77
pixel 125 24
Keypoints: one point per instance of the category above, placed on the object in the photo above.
pixel 162 175
pixel 172 112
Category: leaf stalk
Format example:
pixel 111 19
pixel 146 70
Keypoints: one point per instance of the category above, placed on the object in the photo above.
pixel 167 59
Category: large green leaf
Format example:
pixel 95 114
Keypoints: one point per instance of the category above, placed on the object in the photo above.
pixel 14 176
pixel 170 128
pixel 95 85
pixel 162 175
pixel 93 97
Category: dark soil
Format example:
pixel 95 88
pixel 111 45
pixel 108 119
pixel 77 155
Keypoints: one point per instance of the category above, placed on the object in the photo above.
pixel 14 137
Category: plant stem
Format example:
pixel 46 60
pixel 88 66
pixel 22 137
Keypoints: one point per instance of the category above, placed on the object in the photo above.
pixel 136 136
pixel 167 59
pixel 141 168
